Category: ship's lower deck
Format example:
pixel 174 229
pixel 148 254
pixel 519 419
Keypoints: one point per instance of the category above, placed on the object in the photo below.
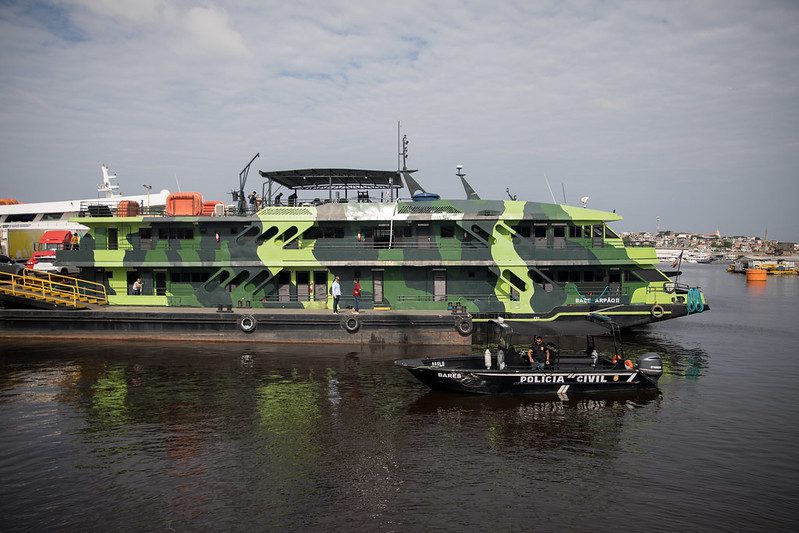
pixel 480 291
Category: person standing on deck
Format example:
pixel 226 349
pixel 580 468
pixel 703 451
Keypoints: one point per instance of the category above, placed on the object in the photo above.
pixel 356 294
pixel 335 290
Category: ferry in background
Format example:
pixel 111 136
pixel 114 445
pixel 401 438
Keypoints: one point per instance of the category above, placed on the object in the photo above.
pixel 22 225
pixel 524 261
pixel 773 265
pixel 674 255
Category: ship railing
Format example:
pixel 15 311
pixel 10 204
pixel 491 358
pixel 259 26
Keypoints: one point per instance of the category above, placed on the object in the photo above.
pixel 456 298
pixel 102 208
pixel 318 244
pixel 453 244
pixel 593 290
pixel 670 288
pixel 65 290
pixel 290 298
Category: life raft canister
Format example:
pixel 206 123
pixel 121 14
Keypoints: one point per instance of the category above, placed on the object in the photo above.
pixel 247 323
pixel 657 311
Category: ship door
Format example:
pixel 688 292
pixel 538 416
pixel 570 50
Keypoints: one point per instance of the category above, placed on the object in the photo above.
pixel 377 286
pixel 284 286
pixel 559 236
pixel 597 239
pixel 113 238
pixel 439 285
pixel 539 235
pixel 146 238
pixel 160 282
pixel 614 281
pixel 303 286
pixel 423 236
pixel 132 276
pixel 320 285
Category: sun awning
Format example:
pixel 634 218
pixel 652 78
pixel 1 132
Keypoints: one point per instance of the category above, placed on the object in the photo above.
pixel 334 178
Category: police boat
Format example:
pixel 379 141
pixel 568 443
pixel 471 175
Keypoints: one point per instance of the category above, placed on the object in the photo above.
pixel 563 367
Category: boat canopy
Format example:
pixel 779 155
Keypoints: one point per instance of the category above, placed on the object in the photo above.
pixel 330 179
pixel 334 178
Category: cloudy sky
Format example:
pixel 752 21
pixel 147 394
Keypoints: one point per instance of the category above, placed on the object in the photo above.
pixel 687 111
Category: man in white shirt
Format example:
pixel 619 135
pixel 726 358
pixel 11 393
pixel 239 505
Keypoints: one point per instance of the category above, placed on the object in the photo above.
pixel 335 290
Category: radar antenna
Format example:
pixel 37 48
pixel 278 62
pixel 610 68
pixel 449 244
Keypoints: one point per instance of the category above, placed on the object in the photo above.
pixel 109 187
pixel 470 192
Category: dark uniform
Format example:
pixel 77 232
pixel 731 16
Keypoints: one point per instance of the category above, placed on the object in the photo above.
pixel 539 353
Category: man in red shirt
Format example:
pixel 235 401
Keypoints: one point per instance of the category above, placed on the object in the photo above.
pixel 356 294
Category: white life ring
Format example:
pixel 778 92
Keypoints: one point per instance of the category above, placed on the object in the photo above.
pixel 465 326
pixel 352 324
pixel 657 311
pixel 247 323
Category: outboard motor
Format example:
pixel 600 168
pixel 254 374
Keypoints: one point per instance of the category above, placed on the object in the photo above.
pixel 651 365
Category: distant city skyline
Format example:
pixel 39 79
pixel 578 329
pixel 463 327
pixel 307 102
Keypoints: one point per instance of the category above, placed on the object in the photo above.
pixel 681 110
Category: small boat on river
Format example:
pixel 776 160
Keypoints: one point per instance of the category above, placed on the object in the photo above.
pixel 507 369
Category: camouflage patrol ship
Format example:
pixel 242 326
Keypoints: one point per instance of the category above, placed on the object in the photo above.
pixel 521 260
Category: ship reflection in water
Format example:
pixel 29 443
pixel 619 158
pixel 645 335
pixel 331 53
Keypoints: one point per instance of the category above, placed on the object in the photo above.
pixel 240 437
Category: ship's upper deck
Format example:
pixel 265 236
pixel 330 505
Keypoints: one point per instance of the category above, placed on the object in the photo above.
pixel 332 180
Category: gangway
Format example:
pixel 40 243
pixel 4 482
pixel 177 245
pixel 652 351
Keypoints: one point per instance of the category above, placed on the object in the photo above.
pixel 51 290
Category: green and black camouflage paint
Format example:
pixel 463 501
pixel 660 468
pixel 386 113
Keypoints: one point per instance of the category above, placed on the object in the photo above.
pixel 522 260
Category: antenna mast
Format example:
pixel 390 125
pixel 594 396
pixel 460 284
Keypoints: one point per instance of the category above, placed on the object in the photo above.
pixel 242 207
pixel 399 147
pixel 404 152
pixel 550 189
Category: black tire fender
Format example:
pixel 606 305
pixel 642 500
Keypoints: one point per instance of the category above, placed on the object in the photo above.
pixel 248 324
pixel 464 326
pixel 657 311
pixel 352 324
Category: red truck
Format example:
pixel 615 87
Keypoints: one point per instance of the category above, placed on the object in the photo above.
pixel 43 258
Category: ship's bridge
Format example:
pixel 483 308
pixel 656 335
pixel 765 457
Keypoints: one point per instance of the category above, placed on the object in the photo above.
pixel 332 180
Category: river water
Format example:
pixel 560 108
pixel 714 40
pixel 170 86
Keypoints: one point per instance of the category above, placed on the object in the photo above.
pixel 132 436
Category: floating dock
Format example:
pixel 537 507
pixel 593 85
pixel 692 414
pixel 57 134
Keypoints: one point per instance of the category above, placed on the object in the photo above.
pixel 240 325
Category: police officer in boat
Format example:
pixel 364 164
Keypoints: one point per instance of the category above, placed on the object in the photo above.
pixel 538 354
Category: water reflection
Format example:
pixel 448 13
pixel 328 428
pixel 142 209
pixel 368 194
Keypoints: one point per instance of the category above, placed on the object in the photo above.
pixel 307 440
pixel 109 395
pixel 521 424
pixel 289 414
pixel 679 359
pixel 755 288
